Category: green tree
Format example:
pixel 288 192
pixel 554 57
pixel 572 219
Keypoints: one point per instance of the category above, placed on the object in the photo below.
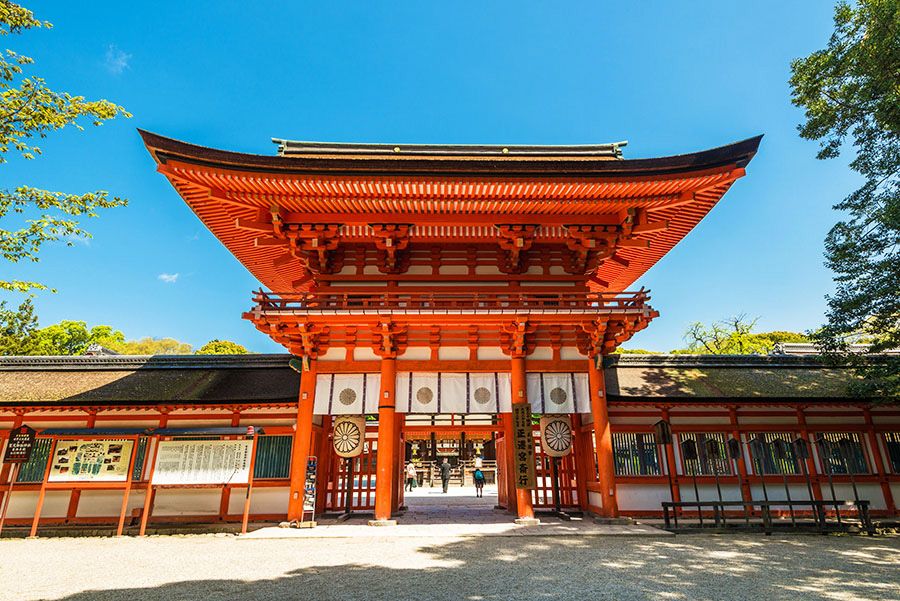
pixel 30 110
pixel 17 328
pixel 222 347
pixel 734 336
pixel 850 91
pixel 151 346
pixel 70 338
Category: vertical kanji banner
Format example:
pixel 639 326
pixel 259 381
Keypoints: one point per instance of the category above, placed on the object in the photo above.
pixel 523 446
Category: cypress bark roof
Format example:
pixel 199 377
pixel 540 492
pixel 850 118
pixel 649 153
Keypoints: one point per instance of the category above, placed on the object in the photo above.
pixel 260 379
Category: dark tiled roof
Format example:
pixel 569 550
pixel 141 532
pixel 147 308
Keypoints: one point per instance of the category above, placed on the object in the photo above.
pixel 267 378
pixel 723 376
pixel 139 380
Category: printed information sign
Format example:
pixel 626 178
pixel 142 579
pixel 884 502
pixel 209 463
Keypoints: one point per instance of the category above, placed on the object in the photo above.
pixel 182 462
pixel 523 446
pixel 91 460
pixel 20 444
pixel 309 490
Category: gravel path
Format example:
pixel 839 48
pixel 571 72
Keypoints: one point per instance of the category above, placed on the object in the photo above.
pixel 213 567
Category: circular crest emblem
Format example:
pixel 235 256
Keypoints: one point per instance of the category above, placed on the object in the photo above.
pixel 556 435
pixel 424 395
pixel 347 396
pixel 348 435
pixel 482 395
pixel 558 396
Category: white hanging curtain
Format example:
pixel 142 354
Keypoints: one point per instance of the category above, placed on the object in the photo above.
pixel 461 393
pixel 347 394
pixel 558 392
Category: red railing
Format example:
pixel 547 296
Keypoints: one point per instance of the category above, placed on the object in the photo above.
pixel 442 301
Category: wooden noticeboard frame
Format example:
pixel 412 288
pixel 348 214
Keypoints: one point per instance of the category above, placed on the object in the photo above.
pixel 125 485
pixel 523 446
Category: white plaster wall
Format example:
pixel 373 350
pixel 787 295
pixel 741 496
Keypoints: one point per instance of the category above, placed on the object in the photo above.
pixel 841 419
pixel 419 270
pixel 335 353
pixel 571 353
pixel 542 353
pixel 708 492
pixel 263 500
pixel 198 423
pixel 488 270
pixel 107 503
pixel 642 497
pixel 491 353
pixel 595 499
pixel 23 504
pixel 175 501
pixel 799 492
pixel 365 353
pixel 415 353
pixel 753 419
pixel 453 353
pixel 689 419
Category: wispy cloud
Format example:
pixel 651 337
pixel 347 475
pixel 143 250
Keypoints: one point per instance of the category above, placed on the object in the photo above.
pixel 168 278
pixel 116 60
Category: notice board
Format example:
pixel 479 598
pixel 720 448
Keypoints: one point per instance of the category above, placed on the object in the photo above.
pixel 91 460
pixel 185 462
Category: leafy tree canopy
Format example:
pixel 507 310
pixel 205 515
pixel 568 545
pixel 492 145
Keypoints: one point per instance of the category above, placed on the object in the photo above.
pixel 850 92
pixel 221 347
pixel 20 334
pixel 29 111
pixel 734 336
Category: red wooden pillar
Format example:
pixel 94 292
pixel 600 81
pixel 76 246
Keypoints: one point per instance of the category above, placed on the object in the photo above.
pixel 506 494
pixel 524 506
pixel 603 435
pixel 384 474
pixel 302 441
pixel 879 463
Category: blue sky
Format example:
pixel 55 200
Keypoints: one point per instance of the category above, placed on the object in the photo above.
pixel 669 77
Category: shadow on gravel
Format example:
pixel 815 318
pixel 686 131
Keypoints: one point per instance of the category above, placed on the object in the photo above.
pixel 484 568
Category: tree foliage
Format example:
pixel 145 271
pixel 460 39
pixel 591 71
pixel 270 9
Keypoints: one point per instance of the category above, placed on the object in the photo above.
pixel 850 91
pixel 20 334
pixel 734 336
pixel 29 111
pixel 222 347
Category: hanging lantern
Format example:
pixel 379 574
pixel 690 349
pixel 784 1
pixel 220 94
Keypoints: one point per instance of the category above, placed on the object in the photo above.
pixel 663 432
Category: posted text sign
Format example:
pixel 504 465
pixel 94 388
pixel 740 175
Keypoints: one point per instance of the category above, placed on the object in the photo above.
pixel 181 462
pixel 20 444
pixel 523 446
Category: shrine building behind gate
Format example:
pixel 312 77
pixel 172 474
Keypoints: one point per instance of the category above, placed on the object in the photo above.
pixel 433 288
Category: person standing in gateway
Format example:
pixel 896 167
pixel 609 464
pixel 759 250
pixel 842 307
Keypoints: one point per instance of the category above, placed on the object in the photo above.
pixel 445 474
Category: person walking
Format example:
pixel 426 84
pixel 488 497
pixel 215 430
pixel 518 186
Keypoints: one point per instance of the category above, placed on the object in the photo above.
pixel 411 477
pixel 445 474
pixel 478 478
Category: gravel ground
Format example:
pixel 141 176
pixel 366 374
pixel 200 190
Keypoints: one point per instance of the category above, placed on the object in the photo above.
pixel 213 567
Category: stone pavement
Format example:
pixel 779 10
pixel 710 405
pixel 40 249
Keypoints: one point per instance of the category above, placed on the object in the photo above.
pixel 458 513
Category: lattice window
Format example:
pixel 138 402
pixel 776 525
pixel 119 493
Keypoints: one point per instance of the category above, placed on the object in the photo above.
pixel 711 451
pixel 273 457
pixel 33 469
pixel 776 454
pixel 842 452
pixel 636 454
pixel 892 442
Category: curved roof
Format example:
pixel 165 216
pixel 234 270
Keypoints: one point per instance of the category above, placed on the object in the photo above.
pixel 438 186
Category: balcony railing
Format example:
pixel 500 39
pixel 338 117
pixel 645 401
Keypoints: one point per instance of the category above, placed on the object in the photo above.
pixel 331 301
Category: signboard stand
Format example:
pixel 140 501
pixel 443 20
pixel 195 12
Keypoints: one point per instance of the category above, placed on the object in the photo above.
pixel 309 494
pixel 190 464
pixel 12 480
pixel 18 451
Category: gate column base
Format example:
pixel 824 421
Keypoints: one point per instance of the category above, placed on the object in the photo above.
pixel 379 523
pixel 527 522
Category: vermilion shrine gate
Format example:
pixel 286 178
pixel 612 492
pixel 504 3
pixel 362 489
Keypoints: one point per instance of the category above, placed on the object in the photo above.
pixel 435 286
